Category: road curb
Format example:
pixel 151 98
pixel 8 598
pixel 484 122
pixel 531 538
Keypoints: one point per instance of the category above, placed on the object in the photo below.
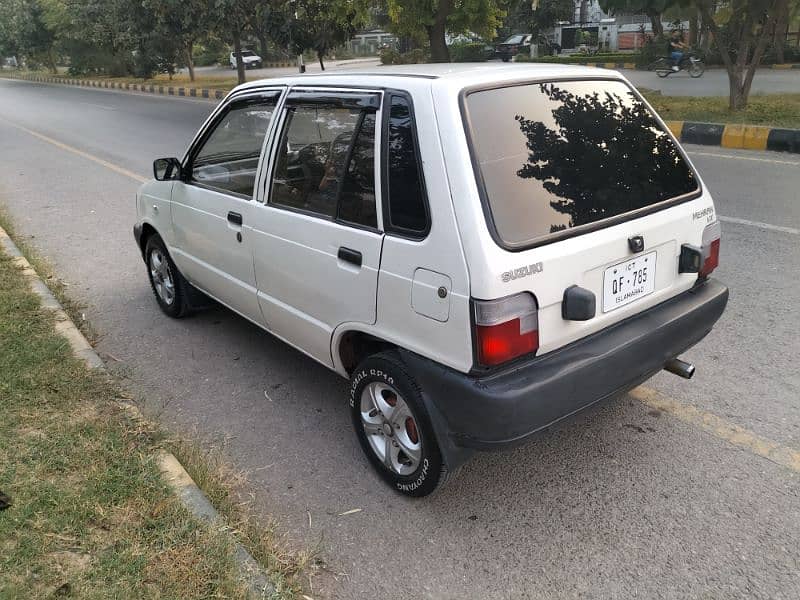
pixel 179 480
pixel 738 136
pixel 163 90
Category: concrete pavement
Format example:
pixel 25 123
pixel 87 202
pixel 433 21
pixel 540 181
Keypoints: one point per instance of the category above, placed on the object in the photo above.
pixel 622 501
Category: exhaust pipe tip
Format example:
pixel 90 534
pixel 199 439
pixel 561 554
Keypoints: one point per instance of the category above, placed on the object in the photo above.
pixel 679 367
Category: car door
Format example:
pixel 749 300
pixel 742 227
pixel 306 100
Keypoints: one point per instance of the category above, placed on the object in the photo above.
pixel 316 239
pixel 212 206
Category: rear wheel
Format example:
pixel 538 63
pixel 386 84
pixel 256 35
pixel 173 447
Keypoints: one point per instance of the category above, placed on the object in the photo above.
pixel 393 427
pixel 661 66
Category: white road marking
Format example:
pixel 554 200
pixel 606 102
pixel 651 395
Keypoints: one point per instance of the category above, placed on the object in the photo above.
pixel 760 225
pixel 753 158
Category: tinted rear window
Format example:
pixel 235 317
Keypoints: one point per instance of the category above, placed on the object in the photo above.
pixel 560 155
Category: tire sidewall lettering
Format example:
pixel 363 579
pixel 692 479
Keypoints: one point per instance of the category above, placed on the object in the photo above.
pixel 410 487
pixel 361 375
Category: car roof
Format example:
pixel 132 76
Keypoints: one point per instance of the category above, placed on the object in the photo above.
pixel 451 75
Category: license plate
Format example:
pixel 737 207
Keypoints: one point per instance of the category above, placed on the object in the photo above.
pixel 629 281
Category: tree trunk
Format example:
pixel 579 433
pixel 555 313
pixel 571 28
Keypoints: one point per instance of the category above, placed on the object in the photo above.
pixel 263 45
pixel 439 51
pixel 655 21
pixel 693 29
pixel 237 49
pixel 190 60
pixel 320 54
pixel 781 26
pixel 436 33
pixel 51 59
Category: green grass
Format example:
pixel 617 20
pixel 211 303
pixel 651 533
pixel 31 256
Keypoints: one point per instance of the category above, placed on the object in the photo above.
pixel 775 110
pixel 90 514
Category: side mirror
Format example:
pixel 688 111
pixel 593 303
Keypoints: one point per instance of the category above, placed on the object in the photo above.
pixel 165 169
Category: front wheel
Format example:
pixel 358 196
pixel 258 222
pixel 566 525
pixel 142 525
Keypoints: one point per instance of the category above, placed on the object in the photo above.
pixel 696 68
pixel 169 286
pixel 393 426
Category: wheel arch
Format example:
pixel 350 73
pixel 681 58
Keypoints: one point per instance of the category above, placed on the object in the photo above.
pixel 148 231
pixel 353 342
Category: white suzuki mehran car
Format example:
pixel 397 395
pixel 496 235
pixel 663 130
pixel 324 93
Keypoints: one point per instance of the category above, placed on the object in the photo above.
pixel 482 250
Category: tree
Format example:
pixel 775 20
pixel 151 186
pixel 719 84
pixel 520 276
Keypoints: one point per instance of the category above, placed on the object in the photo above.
pixel 652 8
pixel 24 31
pixel 182 21
pixel 233 18
pixel 432 19
pixel 272 21
pixel 545 14
pixel 741 29
pixel 320 25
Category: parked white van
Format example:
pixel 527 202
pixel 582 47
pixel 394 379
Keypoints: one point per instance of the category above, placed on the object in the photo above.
pixel 482 250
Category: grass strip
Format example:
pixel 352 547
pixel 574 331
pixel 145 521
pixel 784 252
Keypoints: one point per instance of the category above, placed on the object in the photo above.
pixel 90 515
pixel 774 110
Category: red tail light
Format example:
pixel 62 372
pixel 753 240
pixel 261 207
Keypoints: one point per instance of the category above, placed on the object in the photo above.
pixel 506 328
pixel 710 258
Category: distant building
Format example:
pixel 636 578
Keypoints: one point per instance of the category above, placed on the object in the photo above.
pixel 592 28
pixel 370 43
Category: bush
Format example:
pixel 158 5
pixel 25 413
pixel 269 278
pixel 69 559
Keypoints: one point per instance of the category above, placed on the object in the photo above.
pixel 390 56
pixel 468 52
pixel 578 58
pixel 210 53
pixel 654 48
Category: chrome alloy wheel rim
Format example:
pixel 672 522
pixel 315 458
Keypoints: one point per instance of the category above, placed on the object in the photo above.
pixel 391 429
pixel 162 276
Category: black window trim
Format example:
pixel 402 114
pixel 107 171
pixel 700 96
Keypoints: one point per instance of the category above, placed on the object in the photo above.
pixel 251 96
pixel 388 228
pixel 337 99
pixel 581 229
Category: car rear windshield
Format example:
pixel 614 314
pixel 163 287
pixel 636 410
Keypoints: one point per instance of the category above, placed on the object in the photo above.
pixel 562 155
pixel 514 39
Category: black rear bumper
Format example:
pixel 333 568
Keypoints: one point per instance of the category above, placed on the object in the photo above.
pixel 506 407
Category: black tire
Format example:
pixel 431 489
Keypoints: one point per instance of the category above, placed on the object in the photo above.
pixel 696 69
pixel 181 290
pixel 387 370
pixel 506 58
pixel 661 66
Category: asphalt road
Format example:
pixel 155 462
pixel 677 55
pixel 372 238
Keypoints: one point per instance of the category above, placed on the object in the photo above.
pixel 622 501
pixel 714 82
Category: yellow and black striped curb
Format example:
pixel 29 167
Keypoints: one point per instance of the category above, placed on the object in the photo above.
pixel 733 135
pixel 165 90
pixel 173 471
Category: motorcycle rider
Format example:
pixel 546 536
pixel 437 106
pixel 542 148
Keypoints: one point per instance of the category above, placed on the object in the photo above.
pixel 676 48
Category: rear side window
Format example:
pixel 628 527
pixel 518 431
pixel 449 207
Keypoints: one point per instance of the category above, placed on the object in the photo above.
pixel 562 155
pixel 325 163
pixel 408 213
